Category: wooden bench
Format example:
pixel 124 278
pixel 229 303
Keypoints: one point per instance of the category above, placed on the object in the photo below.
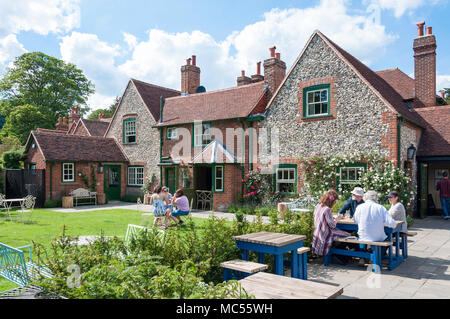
pixel 82 193
pixel 404 242
pixel 269 286
pixel 375 256
pixel 15 268
pixel 246 268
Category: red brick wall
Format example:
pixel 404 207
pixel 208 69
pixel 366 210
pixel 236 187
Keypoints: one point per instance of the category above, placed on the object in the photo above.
pixel 232 184
pixel 390 140
pixel 35 156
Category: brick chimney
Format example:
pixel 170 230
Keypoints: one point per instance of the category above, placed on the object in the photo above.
pixel 190 76
pixel 257 77
pixel 425 66
pixel 62 125
pixel 274 71
pixel 243 80
pixel 74 116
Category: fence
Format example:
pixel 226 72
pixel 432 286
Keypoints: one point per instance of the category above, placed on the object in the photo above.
pixel 20 183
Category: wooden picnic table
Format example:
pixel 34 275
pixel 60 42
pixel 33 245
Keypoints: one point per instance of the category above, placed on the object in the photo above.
pixel 276 244
pixel 269 286
pixel 348 224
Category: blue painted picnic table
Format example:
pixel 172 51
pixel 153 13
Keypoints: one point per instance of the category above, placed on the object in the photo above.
pixel 395 258
pixel 276 244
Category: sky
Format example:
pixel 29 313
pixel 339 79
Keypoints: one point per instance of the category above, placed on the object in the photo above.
pixel 112 41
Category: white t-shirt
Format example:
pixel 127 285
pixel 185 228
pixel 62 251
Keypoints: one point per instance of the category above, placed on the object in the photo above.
pixel 398 213
pixel 371 219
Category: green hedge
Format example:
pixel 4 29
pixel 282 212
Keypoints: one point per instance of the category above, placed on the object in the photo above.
pixel 53 203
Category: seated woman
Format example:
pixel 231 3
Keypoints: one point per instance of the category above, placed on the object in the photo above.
pixel 325 231
pixel 182 203
pixel 158 200
pixel 397 210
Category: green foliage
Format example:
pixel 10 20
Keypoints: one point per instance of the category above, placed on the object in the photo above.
pixel 149 184
pixel 46 83
pixel 53 203
pixel 108 112
pixel 9 143
pixel 409 221
pixel 92 186
pixel 258 188
pixel 13 159
pixel 176 264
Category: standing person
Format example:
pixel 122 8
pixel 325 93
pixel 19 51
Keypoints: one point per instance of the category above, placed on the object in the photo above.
pixel 182 203
pixel 353 202
pixel 158 200
pixel 443 186
pixel 325 231
pixel 397 210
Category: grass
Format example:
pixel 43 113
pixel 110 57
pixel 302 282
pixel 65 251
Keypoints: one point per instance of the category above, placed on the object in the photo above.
pixel 47 225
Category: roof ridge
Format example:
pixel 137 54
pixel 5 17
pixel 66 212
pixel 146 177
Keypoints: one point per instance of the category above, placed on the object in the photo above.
pixel 72 136
pixel 217 91
pixel 154 85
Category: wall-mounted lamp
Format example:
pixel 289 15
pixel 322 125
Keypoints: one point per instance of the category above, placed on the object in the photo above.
pixel 411 152
pixel 100 168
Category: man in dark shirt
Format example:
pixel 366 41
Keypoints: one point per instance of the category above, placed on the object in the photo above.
pixel 443 186
pixel 353 202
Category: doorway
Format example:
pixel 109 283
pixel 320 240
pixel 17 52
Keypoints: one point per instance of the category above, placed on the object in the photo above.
pixel 203 178
pixel 112 182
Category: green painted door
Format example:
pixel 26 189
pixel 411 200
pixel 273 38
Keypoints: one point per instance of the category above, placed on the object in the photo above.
pixel 171 179
pixel 423 196
pixel 112 182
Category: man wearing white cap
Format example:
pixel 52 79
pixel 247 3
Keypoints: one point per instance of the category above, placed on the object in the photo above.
pixel 353 202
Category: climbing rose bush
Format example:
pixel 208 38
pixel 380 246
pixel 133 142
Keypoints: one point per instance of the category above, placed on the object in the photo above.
pixel 258 188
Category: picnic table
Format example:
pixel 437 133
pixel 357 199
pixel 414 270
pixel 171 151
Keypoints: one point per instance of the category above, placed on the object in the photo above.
pixel 348 224
pixel 269 286
pixel 276 244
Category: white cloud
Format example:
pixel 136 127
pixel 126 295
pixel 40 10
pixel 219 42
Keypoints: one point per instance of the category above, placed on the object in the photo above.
pixel 442 82
pixel 100 101
pixel 40 16
pixel 96 59
pixel 10 48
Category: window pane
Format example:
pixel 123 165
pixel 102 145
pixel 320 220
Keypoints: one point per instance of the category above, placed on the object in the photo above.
pixel 324 96
pixel 311 109
pixel 291 175
pixel 310 97
pixel 280 174
pixel 324 108
pixel 317 109
pixel 351 175
pixel 219 172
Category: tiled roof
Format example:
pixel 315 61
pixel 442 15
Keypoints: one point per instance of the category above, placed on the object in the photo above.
pixel 235 102
pixel 151 95
pixel 436 137
pixel 387 92
pixel 95 127
pixel 215 152
pixel 56 147
pixel 44 130
pixel 401 82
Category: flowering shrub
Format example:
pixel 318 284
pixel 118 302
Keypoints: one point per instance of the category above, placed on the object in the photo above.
pixel 258 188
pixel 322 173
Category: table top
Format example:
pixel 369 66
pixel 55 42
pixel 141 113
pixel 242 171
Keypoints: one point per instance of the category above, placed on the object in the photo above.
pixel 350 221
pixel 269 286
pixel 270 239
pixel 14 200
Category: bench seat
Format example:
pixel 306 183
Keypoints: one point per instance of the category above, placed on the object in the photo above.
pixel 362 242
pixel 243 266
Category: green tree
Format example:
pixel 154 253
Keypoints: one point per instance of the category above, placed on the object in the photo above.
pixel 21 120
pixel 447 95
pixel 49 84
pixel 108 112
pixel 13 159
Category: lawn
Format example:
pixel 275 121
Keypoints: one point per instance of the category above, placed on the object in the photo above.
pixel 47 225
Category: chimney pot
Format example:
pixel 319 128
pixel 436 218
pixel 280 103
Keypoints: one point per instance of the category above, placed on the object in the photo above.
pixel 64 120
pixel 429 30
pixel 420 28
pixel 258 68
pixel 194 60
pixel 60 120
pixel 272 51
pixel 278 56
pixel 243 72
pixel 188 61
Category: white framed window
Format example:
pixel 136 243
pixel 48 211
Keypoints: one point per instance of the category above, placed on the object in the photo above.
pixel 202 134
pixel 129 131
pixel 285 180
pixel 68 172
pixel 136 176
pixel 317 103
pixel 172 133
pixel 185 178
pixel 350 175
pixel 219 179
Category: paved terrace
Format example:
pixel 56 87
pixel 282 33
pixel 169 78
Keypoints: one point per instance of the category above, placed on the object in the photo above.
pixel 425 274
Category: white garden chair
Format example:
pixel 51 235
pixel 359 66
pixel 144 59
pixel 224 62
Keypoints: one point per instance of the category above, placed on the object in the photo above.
pixel 27 207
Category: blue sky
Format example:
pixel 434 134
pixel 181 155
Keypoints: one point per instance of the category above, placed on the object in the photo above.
pixel 114 40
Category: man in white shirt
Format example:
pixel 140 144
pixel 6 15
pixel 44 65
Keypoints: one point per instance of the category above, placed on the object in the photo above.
pixel 372 218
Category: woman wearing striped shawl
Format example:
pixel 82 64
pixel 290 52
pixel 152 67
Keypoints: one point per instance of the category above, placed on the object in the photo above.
pixel 325 231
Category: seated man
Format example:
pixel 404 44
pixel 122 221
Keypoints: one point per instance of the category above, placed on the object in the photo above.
pixel 182 203
pixel 353 202
pixel 372 218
